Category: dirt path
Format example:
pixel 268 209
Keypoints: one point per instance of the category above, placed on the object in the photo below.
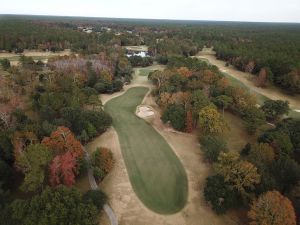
pixel 270 92
pixel 36 53
pixel 137 48
pixel 126 205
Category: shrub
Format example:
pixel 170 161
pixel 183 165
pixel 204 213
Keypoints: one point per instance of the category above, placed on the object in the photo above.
pixel 117 85
pixel 102 161
pixel 99 174
pixel 176 115
pixel 212 146
pixel 220 195
pixel 97 197
pixel 272 208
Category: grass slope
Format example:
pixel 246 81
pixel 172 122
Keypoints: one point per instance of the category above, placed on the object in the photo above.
pixel 155 172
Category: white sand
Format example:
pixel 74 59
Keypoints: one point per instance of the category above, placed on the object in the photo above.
pixel 144 111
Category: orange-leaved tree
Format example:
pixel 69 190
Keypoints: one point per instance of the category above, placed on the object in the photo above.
pixel 63 169
pixel 189 122
pixel 184 72
pixel 63 140
pixel 272 208
pixel 68 152
pixel 103 159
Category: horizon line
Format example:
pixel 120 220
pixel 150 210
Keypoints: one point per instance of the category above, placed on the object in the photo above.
pixel 135 18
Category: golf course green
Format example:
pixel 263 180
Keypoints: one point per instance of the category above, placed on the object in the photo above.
pixel 156 174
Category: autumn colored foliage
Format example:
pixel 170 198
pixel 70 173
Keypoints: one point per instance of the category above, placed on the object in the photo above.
pixel 7 107
pixel 62 140
pixel 178 98
pixel 240 174
pixel 68 151
pixel 185 72
pixel 211 122
pixel 63 169
pixel 209 77
pixel 261 80
pixel 272 208
pixel 103 159
pixel 189 122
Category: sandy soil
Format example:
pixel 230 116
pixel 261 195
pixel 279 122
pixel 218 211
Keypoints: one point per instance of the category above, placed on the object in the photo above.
pixel 137 48
pixel 126 205
pixel 270 92
pixel 14 58
pixel 144 111
pixel 36 53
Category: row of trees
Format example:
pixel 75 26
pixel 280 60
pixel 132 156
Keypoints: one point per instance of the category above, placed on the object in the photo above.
pixel 136 61
pixel 192 90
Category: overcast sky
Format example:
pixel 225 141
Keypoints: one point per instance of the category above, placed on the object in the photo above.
pixel 225 10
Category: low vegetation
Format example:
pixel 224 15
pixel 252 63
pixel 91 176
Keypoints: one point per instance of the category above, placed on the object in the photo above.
pixel 102 162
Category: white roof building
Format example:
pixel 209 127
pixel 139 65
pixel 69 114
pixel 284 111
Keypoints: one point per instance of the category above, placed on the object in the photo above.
pixel 141 54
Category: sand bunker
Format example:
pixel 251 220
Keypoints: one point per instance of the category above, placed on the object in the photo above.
pixel 144 111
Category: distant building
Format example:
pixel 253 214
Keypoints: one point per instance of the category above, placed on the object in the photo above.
pixel 106 29
pixel 142 54
pixel 87 30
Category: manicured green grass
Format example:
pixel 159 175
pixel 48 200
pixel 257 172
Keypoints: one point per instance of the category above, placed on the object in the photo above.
pixel 294 114
pixel 155 172
pixel 144 72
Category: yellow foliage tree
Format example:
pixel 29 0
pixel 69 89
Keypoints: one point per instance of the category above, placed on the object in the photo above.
pixel 211 121
pixel 243 99
pixel 262 152
pixel 272 208
pixel 239 173
pixel 106 76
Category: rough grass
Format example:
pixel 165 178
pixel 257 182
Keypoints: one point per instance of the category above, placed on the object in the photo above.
pixel 235 82
pixel 237 137
pixel 259 97
pixel 156 174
